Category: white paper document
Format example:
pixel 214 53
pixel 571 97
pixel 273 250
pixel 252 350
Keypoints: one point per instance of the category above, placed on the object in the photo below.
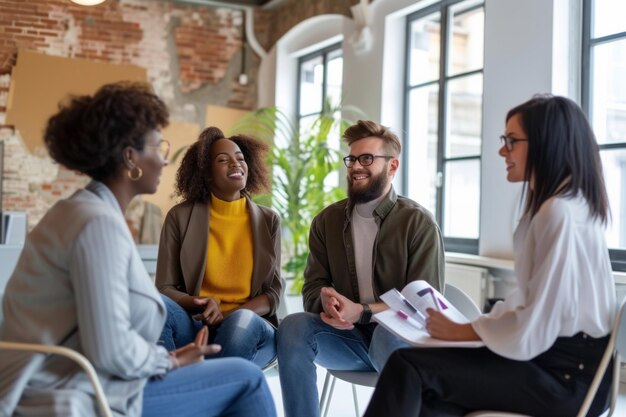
pixel 406 315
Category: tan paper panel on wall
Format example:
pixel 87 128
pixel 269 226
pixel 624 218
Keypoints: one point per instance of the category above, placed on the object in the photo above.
pixel 179 135
pixel 39 82
pixel 223 117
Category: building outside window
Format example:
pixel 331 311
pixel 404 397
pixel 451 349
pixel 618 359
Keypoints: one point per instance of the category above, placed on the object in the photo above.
pixel 604 100
pixel 443 116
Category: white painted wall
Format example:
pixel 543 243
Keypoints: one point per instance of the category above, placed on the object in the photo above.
pixel 518 64
pixel 524 55
pixel 530 47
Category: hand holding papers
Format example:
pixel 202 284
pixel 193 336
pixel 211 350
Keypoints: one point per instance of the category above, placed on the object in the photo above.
pixel 406 316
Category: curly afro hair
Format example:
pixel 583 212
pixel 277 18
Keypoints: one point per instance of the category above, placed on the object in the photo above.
pixel 89 133
pixel 193 176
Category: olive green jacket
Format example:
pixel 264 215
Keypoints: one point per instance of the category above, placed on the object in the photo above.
pixel 408 247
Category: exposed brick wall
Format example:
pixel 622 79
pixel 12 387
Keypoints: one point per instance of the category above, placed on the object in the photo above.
pixel 292 12
pixel 192 54
pixel 33 182
pixel 205 44
pixel 197 43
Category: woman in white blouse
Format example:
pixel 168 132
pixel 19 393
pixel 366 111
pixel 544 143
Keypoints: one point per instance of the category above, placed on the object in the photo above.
pixel 544 342
pixel 80 283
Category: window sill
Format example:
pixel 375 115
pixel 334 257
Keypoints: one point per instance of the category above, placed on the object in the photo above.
pixel 477 260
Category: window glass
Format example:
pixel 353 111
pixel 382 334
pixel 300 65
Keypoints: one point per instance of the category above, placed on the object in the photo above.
pixel 608 92
pixel 467 35
pixel 608 17
pixel 462 198
pixel 443 118
pixel 614 166
pixel 311 85
pixel 335 78
pixel 424 49
pixel 604 100
pixel 465 110
pixel 422 146
pixel 321 77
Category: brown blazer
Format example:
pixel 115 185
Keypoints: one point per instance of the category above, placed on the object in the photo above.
pixel 183 246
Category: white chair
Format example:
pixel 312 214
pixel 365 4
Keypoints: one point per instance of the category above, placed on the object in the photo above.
pixel 461 301
pixel 615 348
pixel 101 399
pixel 364 378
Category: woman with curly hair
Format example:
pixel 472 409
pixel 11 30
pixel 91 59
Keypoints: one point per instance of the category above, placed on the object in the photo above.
pixel 219 252
pixel 80 283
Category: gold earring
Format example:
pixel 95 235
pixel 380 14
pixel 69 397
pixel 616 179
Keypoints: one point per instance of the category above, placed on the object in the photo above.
pixel 134 178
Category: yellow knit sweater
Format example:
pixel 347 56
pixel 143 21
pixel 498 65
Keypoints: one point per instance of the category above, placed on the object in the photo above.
pixel 229 262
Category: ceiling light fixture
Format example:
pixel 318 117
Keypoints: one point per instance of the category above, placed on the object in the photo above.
pixel 87 2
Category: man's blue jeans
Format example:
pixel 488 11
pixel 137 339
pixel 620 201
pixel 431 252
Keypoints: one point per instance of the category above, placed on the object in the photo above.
pixel 221 387
pixel 303 339
pixel 243 333
pixel 384 343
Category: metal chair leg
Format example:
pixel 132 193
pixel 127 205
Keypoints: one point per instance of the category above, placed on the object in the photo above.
pixel 330 396
pixel 324 392
pixel 356 401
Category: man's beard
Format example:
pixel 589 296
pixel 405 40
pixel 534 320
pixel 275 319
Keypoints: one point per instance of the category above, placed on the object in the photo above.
pixel 377 185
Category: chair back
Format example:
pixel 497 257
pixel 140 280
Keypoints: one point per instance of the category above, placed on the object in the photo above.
pixel 619 327
pixel 462 302
pixel 614 349
pixel 82 361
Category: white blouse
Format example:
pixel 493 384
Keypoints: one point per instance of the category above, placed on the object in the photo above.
pixel 564 279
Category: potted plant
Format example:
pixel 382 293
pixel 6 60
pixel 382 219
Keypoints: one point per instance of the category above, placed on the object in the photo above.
pixel 301 162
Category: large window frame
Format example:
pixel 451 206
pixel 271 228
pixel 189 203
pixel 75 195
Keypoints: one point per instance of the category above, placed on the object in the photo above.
pixel 589 42
pixel 445 9
pixel 324 54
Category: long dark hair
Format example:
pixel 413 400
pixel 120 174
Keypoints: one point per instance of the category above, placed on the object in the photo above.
pixel 561 146
pixel 193 177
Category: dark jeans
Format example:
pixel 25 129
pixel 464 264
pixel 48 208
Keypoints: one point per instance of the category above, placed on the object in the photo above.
pixel 455 381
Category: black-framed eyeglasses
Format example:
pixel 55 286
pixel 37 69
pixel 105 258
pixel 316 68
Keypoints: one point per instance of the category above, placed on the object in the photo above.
pixel 509 141
pixel 163 146
pixel 365 159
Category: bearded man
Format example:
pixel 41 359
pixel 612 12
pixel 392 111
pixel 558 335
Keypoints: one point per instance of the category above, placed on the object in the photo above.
pixel 359 248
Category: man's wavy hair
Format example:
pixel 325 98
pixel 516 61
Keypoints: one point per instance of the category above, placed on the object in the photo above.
pixel 193 178
pixel 367 128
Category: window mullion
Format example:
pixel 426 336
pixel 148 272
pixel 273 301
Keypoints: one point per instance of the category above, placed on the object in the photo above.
pixel 442 113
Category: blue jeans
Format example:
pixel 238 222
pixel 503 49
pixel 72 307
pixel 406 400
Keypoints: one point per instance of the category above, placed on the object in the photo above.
pixel 303 339
pixel 383 345
pixel 243 333
pixel 222 387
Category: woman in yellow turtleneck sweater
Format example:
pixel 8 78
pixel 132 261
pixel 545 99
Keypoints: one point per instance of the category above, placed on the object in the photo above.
pixel 219 252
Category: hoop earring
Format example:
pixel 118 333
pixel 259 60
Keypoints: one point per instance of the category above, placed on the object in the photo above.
pixel 134 178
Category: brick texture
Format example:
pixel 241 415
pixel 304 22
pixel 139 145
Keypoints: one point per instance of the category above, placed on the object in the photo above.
pixel 192 54
pixel 292 12
pixel 185 48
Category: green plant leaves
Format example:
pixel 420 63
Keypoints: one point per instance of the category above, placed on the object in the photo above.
pixel 301 162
